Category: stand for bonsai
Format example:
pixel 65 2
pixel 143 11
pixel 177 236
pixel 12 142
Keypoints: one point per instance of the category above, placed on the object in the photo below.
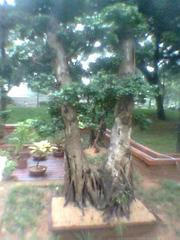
pixel 70 222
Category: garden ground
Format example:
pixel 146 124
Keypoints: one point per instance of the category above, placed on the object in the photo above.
pixel 24 207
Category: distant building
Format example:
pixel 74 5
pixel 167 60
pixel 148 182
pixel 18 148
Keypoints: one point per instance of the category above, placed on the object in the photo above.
pixel 24 96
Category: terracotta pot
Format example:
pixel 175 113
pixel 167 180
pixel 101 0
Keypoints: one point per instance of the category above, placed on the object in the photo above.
pixel 22 159
pixel 25 154
pixel 37 171
pixel 21 163
pixel 58 154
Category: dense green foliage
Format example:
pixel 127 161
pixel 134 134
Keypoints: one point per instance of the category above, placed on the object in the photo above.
pixel 80 29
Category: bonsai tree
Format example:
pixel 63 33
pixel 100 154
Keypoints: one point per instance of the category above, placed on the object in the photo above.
pixel 57 23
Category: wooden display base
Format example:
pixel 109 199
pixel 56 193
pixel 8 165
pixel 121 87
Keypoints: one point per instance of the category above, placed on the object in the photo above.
pixel 70 221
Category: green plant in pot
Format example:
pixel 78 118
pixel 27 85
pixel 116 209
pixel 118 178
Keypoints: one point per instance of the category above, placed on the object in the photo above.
pixel 39 151
pixel 59 152
pixel 21 136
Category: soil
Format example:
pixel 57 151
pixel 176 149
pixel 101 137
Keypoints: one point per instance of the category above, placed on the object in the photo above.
pixel 93 153
pixel 155 173
pixel 149 178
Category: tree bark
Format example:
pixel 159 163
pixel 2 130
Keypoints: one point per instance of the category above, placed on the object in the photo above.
pixel 119 164
pixel 74 166
pixel 119 151
pixel 160 107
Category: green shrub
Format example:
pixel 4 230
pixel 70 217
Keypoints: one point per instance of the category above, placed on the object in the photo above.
pixel 10 166
pixel 48 128
pixel 23 134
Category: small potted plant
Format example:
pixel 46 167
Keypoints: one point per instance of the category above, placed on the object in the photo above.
pixel 40 150
pixel 19 138
pixel 58 141
pixel 59 152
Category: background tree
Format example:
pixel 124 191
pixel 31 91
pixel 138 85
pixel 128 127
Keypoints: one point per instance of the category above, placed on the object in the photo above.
pixel 160 49
pixel 4 71
pixel 8 71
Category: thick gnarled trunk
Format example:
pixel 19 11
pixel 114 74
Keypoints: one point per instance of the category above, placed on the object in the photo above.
pixel 109 188
pixel 74 157
pixel 81 182
pixel 74 166
pixel 119 164
pixel 119 157
pixel 119 151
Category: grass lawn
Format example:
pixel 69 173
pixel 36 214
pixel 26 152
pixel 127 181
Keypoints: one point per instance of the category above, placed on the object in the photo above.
pixel 26 210
pixel 19 114
pixel 160 135
pixel 163 199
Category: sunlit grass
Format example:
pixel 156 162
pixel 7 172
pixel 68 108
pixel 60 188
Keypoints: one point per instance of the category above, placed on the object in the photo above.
pixel 160 135
pixel 18 114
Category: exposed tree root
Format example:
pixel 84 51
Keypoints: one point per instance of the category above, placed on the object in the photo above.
pixel 104 192
pixel 99 135
pixel 119 195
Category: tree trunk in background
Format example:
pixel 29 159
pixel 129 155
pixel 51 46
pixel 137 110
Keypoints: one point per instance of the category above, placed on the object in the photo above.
pixel 178 139
pixel 153 78
pixel 37 99
pixel 178 135
pixel 119 164
pixel 160 107
pixel 160 88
